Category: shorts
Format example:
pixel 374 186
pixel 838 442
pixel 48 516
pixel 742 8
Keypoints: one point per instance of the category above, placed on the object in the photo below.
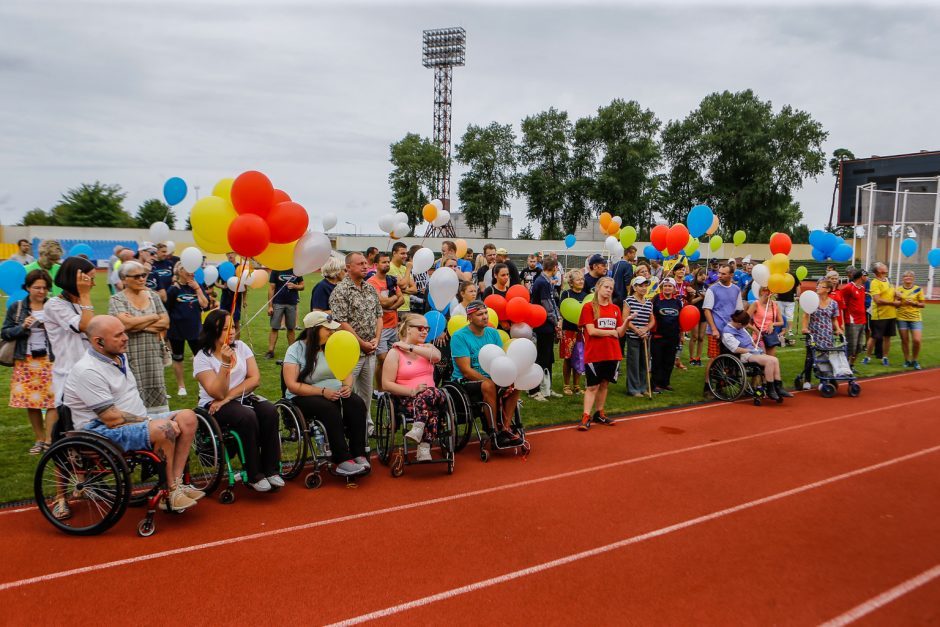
pixel 714 347
pixel 178 347
pixel 786 311
pixel 133 437
pixel 287 313
pixel 910 325
pixel 602 371
pixel 884 328
pixel 854 339
pixel 389 336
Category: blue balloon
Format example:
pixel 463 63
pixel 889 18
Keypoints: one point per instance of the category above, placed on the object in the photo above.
pixel 650 252
pixel 908 247
pixel 933 258
pixel 815 238
pixel 570 240
pixel 226 270
pixel 842 253
pixel 437 322
pixel 699 220
pixel 819 255
pixel 200 276
pixel 16 295
pixel 12 276
pixel 695 257
pixel 828 243
pixel 81 249
pixel 174 190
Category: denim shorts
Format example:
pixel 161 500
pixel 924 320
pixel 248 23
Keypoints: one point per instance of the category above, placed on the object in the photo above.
pixel 910 325
pixel 132 437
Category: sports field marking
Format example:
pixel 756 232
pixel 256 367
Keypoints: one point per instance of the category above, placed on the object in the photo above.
pixel 437 501
pixel 869 606
pixel 538 568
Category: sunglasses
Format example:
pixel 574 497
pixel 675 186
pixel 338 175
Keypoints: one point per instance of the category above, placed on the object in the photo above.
pixel 136 276
pixel 420 327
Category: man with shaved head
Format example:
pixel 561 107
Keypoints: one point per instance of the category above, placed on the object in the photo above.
pixel 101 393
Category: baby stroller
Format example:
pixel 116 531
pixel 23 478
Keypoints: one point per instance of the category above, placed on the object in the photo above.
pixel 830 366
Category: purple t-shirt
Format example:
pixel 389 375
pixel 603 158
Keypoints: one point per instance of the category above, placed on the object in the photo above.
pixel 723 300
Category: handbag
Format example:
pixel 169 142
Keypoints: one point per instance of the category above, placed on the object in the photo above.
pixel 8 347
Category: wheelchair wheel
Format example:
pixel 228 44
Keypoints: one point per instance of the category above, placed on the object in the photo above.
pixel 447 432
pixel 90 477
pixel 292 428
pixel 727 378
pixel 206 462
pixel 147 474
pixel 463 415
pixel 384 427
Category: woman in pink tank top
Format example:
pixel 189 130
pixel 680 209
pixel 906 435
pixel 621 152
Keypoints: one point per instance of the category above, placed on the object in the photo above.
pixel 765 315
pixel 409 375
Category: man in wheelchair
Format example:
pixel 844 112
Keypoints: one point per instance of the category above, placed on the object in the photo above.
pixel 101 393
pixel 738 341
pixel 465 348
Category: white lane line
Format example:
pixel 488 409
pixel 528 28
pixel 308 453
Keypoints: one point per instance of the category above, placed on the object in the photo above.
pixel 884 598
pixel 444 499
pixel 538 568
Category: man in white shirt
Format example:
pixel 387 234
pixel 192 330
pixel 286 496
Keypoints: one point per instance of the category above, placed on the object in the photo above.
pixel 102 394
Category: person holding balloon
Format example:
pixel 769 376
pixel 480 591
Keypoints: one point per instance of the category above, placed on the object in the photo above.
pixel 823 324
pixel 765 316
pixel 571 346
pixel 543 296
pixel 501 279
pixel 185 302
pixel 910 321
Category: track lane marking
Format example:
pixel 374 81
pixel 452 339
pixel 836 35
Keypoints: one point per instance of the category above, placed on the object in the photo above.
pixel 863 609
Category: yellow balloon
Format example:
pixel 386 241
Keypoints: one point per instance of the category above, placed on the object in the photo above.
pixel 777 283
pixel 692 246
pixel 277 256
pixel 117 264
pixel 461 248
pixel 778 264
pixel 342 353
pixel 209 246
pixel 223 189
pixel 494 319
pixel 456 323
pixel 504 337
pixel 210 218
pixel 259 278
pixel 508 342
pixel 429 212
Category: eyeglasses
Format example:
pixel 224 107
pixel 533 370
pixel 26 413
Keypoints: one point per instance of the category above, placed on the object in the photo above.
pixel 136 276
pixel 420 327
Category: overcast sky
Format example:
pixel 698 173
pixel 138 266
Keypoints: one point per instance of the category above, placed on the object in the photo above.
pixel 313 94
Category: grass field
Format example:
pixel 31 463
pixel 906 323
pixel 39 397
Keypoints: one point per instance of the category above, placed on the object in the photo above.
pixel 17 467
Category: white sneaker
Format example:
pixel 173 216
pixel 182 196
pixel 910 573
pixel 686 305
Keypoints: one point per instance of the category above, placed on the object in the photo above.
pixel 555 394
pixel 538 396
pixel 261 486
pixel 424 452
pixel 416 432
pixel 181 392
pixel 807 386
pixel 276 481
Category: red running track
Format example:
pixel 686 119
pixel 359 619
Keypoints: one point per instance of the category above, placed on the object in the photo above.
pixel 798 513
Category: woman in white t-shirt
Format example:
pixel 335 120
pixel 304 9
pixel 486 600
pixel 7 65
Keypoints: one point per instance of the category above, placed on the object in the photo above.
pixel 67 316
pixel 227 374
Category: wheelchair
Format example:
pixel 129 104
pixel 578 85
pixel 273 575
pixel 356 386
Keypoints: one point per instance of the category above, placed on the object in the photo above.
pixel 98 480
pixel 392 420
pixel 476 416
pixel 729 378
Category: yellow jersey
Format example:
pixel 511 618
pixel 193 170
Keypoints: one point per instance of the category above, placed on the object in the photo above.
pixel 915 294
pixel 884 290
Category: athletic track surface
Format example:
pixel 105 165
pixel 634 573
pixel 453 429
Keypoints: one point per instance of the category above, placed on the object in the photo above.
pixel 814 511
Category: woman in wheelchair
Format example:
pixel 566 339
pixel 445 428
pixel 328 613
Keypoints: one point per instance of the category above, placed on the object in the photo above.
pixel 320 395
pixel 737 341
pixel 227 374
pixel 409 375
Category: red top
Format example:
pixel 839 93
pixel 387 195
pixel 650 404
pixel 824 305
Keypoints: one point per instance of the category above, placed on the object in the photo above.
pixel 837 296
pixel 389 316
pixel 854 298
pixel 601 348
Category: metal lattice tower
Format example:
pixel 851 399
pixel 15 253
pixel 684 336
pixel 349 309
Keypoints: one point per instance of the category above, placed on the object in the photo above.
pixel 443 49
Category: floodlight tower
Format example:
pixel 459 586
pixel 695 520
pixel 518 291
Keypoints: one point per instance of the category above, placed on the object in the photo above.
pixel 443 49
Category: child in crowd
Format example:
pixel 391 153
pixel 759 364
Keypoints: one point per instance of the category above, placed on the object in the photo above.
pixel 571 347
pixel 638 311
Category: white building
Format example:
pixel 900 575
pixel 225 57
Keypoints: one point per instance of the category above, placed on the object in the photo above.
pixel 501 230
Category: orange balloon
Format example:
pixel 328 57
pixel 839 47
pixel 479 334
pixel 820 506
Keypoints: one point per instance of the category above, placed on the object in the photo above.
pixel 605 221
pixel 713 227
pixel 429 212
pixel 613 228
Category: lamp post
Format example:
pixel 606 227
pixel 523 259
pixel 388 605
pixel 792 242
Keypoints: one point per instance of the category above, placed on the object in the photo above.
pixel 355 228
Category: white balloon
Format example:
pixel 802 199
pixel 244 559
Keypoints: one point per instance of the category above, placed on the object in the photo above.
pixel 423 260
pixel 233 284
pixel 191 258
pixel 443 217
pixel 761 274
pixel 530 378
pixel 520 330
pixel 387 222
pixel 401 216
pixel 618 220
pixel 809 301
pixel 311 252
pixel 402 229
pixel 488 278
pixel 211 274
pixel 159 232
pixel 443 287
pixel 438 203
pixel 611 244
pixel 755 290
pixel 329 221
pixel 487 354
pixel 170 246
pixel 522 352
pixel 620 252
pixel 502 371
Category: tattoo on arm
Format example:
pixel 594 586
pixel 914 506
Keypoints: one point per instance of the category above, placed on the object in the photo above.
pixel 128 417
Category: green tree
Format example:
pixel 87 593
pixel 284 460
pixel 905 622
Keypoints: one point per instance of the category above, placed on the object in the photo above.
pixel 93 205
pixel 487 186
pixel 545 152
pixel 526 232
pixel 154 210
pixel 416 163
pixel 835 164
pixel 38 217
pixel 735 154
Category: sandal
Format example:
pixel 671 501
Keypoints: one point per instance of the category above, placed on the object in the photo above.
pixel 37 448
pixel 61 511
pixel 578 390
pixel 567 390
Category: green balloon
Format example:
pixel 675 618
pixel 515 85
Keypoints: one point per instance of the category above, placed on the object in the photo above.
pixel 571 310
pixel 801 272
pixel 627 236
pixel 739 237
pixel 588 298
pixel 692 246
pixel 715 242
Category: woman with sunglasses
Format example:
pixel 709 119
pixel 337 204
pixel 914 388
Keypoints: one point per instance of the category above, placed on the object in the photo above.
pixel 321 396
pixel 145 320
pixel 409 375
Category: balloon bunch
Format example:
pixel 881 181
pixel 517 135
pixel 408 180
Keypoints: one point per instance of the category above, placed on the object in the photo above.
pixel 514 366
pixel 774 274
pixel 516 309
pixel 434 213
pixel 236 278
pixel 671 240
pixel 395 224
pixel 828 245
pixel 619 237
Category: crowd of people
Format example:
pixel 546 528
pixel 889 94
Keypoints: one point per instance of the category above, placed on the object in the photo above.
pixel 109 368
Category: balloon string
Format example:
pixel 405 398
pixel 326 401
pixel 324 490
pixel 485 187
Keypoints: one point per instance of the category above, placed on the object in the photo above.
pixel 238 284
pixel 271 300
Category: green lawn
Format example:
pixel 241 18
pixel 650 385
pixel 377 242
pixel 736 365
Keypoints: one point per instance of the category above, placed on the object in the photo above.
pixel 16 466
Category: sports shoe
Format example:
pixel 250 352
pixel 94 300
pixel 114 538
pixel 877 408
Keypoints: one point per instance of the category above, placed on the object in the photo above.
pixel 807 386
pixel 177 500
pixel 424 452
pixel 907 364
pixel 916 365
pixel 260 486
pixel 364 462
pixel 276 481
pixel 193 493
pixel 884 361
pixel 866 361
pixel 771 391
pixel 555 394
pixel 505 439
pixel 349 468
pixel 601 417
pixel 538 396
pixel 585 423
pixel 181 392
pixel 416 433
pixel 269 355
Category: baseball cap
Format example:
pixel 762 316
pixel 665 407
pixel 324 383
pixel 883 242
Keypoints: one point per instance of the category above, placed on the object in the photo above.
pixel 596 258
pixel 148 246
pixel 475 305
pixel 320 318
pixel 858 274
pixel 640 280
pixel 667 281
pixel 502 251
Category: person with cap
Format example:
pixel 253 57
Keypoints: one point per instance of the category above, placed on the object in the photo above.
pixel 319 395
pixel 638 310
pixel 465 346
pixel 855 316
pixel 597 268
pixel 665 334
pixel 502 256
pixel 722 299
pixel 742 276
pixel 712 272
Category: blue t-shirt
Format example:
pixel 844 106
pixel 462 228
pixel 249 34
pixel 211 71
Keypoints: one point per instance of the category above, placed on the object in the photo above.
pixel 320 298
pixel 161 274
pixel 185 313
pixel 465 343
pixel 285 296
pixel 666 311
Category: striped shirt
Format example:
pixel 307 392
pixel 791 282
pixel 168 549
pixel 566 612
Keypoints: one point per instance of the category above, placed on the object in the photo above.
pixel 643 312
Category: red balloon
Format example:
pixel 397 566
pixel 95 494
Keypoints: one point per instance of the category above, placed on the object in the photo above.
pixel 677 238
pixel 497 303
pixel 537 316
pixel 252 192
pixel 517 309
pixel 780 243
pixel 288 222
pixel 689 317
pixel 658 237
pixel 249 235
pixel 517 291
pixel 279 196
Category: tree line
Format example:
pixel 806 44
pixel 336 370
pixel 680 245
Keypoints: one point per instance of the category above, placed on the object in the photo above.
pixel 98 204
pixel 733 152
